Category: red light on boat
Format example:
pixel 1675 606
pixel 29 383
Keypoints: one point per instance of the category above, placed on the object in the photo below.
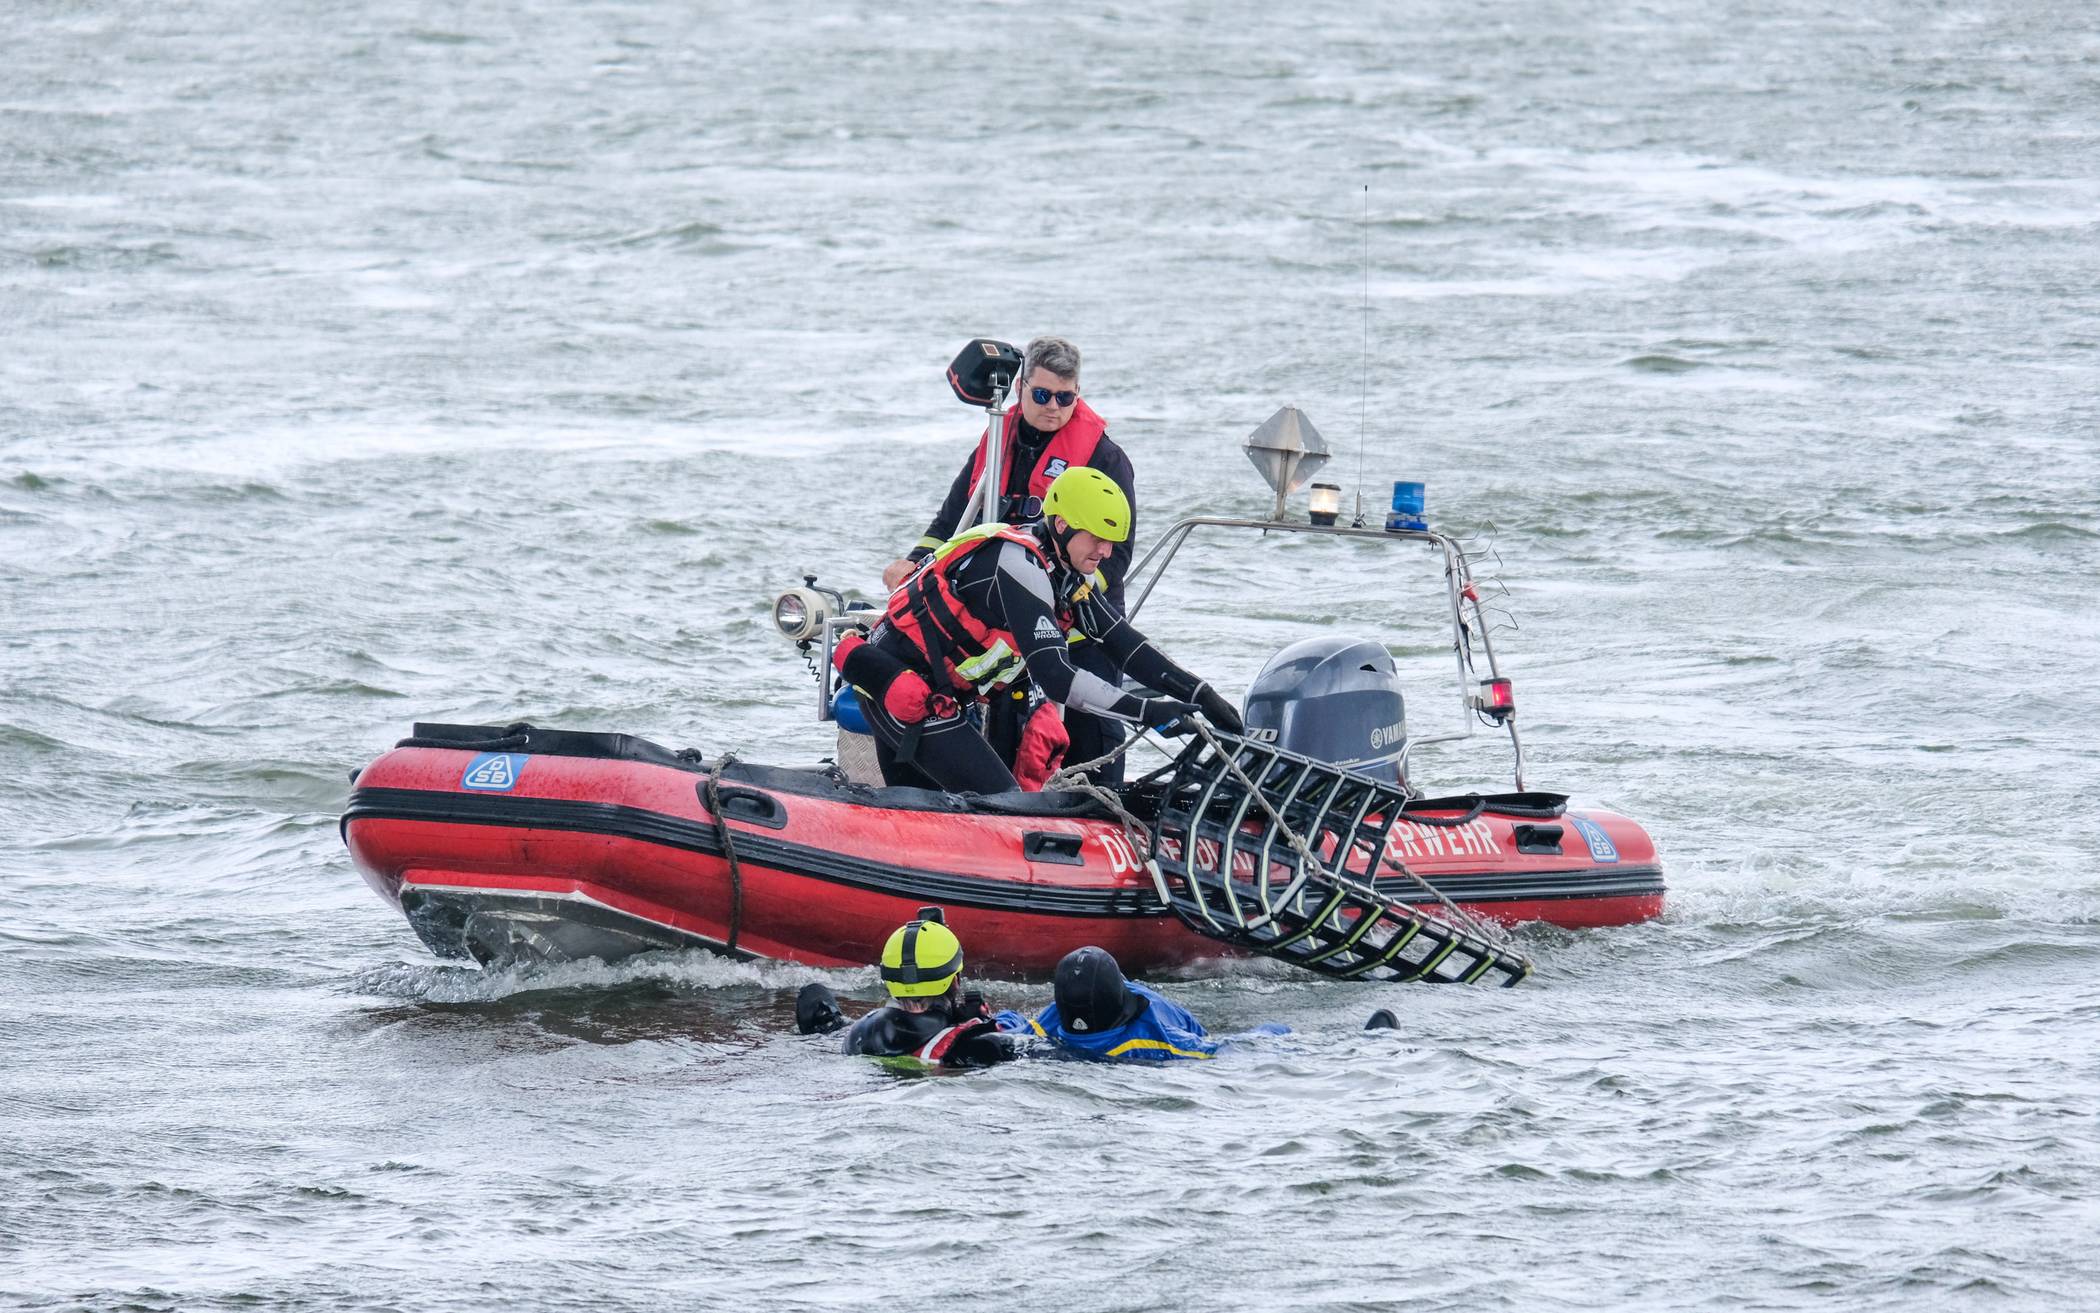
pixel 1496 698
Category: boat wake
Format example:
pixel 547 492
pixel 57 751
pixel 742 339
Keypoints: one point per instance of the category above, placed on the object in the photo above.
pixel 694 972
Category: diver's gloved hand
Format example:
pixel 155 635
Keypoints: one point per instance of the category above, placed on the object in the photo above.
pixel 1219 711
pixel 973 1008
pixel 817 1010
pixel 907 698
pixel 1164 714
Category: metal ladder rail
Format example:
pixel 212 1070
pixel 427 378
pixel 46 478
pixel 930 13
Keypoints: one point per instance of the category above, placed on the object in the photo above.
pixel 1480 957
pixel 1358 937
pixel 1294 890
pixel 1227 846
pixel 1177 781
pixel 1321 822
pixel 1360 810
pixel 1260 883
pixel 1343 936
pixel 1313 824
pixel 1353 939
pixel 1255 761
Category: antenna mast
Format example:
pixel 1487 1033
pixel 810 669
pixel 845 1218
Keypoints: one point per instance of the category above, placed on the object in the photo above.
pixel 1363 420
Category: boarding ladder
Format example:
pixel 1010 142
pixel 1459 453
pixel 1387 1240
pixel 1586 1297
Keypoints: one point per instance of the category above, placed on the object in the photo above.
pixel 1278 854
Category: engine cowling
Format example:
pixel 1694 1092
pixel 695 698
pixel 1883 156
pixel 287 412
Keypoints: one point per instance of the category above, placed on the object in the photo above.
pixel 1336 700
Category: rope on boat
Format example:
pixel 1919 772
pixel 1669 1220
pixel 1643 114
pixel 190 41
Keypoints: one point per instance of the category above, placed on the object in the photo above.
pixel 736 870
pixel 1080 779
pixel 1323 919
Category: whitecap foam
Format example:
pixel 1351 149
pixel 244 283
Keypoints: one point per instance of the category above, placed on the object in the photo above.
pixel 694 970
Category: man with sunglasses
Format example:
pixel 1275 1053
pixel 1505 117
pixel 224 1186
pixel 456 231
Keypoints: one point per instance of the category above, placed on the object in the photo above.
pixel 1049 430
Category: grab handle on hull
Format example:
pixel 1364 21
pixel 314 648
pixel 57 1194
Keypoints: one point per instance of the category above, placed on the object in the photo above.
pixel 739 804
pixel 1537 838
pixel 1046 846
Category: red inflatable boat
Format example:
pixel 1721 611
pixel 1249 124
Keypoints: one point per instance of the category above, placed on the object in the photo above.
pixel 520 844
pixel 1306 840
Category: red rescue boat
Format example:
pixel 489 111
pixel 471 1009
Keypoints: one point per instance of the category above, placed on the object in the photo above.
pixel 1306 840
pixel 508 844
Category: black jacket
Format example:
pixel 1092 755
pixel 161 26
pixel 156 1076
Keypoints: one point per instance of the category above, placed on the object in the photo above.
pixel 1013 506
pixel 935 1037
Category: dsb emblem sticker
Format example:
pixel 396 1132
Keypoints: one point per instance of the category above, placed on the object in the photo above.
pixel 493 772
pixel 1601 847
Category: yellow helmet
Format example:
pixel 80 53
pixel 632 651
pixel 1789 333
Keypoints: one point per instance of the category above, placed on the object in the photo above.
pixel 921 960
pixel 1089 500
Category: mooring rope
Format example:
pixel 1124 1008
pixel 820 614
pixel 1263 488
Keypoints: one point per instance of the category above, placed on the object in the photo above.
pixel 736 870
pixel 1076 779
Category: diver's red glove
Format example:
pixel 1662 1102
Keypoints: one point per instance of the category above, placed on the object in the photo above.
pixel 851 642
pixel 1043 743
pixel 906 698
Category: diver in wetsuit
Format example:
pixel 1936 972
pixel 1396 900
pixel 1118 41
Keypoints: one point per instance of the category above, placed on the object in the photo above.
pixel 1096 1013
pixel 929 1022
pixel 997 603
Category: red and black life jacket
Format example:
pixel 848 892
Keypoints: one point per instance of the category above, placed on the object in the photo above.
pixel 972 656
pixel 1072 445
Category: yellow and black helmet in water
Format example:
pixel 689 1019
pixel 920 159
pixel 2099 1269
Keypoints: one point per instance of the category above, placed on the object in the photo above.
pixel 1089 500
pixel 921 959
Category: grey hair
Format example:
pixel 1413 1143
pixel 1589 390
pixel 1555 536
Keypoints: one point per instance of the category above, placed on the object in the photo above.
pixel 1054 354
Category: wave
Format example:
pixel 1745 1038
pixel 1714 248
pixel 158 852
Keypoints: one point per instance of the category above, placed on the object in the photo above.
pixel 692 972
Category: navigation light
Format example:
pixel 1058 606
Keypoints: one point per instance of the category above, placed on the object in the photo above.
pixel 1326 503
pixel 1496 699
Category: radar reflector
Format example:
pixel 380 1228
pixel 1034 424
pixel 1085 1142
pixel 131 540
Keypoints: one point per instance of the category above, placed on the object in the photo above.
pixel 1288 450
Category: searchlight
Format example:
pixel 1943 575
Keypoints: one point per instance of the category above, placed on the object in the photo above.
pixel 800 613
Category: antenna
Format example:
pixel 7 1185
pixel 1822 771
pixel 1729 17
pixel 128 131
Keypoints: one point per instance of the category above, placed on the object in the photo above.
pixel 1363 378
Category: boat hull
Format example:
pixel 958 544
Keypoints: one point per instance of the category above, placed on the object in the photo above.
pixel 548 857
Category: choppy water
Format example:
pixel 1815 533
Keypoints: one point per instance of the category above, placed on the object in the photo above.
pixel 398 361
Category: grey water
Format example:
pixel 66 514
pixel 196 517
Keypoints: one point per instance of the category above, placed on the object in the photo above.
pixel 396 361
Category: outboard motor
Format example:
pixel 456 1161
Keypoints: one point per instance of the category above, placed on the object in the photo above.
pixel 1333 699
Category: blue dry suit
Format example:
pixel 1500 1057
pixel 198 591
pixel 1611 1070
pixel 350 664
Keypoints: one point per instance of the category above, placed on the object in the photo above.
pixel 1164 1032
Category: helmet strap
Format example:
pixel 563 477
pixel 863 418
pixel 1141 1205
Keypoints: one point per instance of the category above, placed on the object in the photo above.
pixel 1063 539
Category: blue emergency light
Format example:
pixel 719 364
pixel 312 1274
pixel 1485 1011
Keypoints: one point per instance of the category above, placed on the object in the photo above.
pixel 1407 506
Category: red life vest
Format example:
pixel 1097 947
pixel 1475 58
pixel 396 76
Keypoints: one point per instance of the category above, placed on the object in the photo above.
pixel 1072 445
pixel 972 656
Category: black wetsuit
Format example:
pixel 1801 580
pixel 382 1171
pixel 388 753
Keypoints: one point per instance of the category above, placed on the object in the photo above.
pixel 934 1036
pixel 1016 506
pixel 1092 736
pixel 1006 587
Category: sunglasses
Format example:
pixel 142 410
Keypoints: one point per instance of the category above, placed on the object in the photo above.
pixel 1042 396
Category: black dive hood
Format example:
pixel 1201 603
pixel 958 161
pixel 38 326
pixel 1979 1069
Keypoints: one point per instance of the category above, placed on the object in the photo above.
pixel 1061 540
pixel 1091 993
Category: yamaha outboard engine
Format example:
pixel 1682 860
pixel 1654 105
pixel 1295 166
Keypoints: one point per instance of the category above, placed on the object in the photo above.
pixel 1332 699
